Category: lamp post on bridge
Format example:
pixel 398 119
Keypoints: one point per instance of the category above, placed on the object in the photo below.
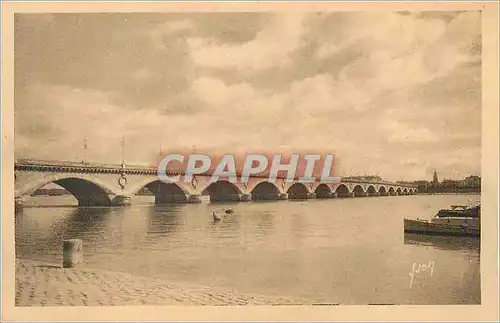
pixel 123 152
pixel 122 200
pixel 85 148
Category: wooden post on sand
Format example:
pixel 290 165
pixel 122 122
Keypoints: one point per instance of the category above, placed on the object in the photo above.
pixel 72 253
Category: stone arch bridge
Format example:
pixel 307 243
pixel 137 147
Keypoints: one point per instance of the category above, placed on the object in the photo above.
pixel 107 185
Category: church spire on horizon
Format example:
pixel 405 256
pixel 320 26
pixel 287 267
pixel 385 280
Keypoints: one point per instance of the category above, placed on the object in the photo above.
pixel 435 178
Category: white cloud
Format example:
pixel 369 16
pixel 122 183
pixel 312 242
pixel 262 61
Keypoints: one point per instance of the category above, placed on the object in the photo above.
pixel 142 74
pixel 221 97
pixel 401 132
pixel 73 114
pixel 169 28
pixel 387 32
pixel 400 51
pixel 270 47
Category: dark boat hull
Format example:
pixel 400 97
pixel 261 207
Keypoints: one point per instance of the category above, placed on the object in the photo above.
pixel 468 227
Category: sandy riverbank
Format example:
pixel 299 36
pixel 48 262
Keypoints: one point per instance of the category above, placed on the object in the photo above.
pixel 42 284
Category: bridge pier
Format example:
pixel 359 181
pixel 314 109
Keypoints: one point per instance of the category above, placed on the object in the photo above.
pixel 197 198
pixel 374 194
pixel 360 194
pixel 121 200
pixel 283 196
pixel 383 193
pixel 245 197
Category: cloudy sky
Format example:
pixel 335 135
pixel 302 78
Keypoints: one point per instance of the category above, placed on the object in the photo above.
pixel 393 94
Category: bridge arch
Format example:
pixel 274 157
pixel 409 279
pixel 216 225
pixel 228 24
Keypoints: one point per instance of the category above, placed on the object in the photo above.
pixel 88 190
pixel 140 184
pixel 382 190
pixel 342 190
pixel 165 192
pixel 222 191
pixel 371 190
pixel 298 191
pixel 323 191
pixel 265 190
pixel 398 190
pixel 358 190
pixel 405 191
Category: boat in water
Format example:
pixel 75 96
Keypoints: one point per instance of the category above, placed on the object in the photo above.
pixel 459 220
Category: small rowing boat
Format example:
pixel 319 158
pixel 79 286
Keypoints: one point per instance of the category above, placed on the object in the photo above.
pixel 459 220
pixel 216 216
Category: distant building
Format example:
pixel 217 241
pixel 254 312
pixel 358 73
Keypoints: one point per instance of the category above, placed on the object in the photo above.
pixel 470 184
pixel 435 178
pixel 472 181
pixel 449 185
pixel 423 186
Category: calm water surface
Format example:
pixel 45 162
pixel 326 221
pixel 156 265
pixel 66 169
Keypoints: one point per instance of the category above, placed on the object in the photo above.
pixel 346 251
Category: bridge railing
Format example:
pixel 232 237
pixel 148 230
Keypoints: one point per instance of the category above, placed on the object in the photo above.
pixel 51 165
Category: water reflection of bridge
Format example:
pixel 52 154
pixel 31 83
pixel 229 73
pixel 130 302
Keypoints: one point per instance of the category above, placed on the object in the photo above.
pixel 105 185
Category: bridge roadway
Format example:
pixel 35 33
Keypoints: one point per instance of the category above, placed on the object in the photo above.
pixel 115 185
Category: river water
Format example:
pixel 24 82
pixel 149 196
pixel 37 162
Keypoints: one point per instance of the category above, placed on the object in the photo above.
pixel 343 251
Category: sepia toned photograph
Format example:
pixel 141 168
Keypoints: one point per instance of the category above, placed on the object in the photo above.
pixel 250 158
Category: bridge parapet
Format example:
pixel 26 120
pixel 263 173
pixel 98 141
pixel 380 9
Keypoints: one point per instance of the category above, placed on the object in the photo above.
pixel 346 180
